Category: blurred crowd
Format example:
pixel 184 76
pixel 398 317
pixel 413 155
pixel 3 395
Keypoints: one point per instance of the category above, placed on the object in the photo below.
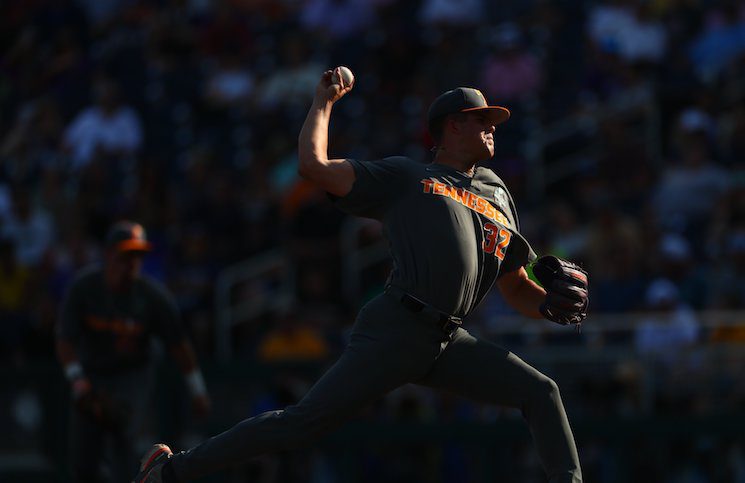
pixel 184 115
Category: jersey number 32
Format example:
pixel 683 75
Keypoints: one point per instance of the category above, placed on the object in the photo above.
pixel 496 240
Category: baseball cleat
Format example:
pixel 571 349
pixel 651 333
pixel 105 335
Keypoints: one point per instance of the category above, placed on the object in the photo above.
pixel 152 463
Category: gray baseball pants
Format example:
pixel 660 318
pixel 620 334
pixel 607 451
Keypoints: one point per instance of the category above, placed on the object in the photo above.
pixel 90 440
pixel 389 347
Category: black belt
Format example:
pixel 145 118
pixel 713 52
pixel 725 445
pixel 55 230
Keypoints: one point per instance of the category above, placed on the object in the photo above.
pixel 448 323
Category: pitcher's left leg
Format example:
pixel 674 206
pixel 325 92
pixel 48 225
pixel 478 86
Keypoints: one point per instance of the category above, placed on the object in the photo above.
pixel 484 372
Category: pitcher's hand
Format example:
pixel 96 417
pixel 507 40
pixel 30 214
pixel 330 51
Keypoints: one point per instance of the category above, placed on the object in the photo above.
pixel 328 91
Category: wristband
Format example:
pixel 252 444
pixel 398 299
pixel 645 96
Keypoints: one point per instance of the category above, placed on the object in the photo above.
pixel 195 383
pixel 73 371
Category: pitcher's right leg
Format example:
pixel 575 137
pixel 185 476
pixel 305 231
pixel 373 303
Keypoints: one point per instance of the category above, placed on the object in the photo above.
pixel 387 349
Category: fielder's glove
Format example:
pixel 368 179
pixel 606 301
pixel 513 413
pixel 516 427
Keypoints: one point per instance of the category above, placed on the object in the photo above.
pixel 566 290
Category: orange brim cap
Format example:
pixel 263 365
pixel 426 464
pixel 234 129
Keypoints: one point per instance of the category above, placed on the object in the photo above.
pixel 134 246
pixel 498 114
pixel 463 99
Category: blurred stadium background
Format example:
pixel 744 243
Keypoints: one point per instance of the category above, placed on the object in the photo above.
pixel 626 151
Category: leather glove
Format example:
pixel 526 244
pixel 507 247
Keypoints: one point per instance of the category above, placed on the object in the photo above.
pixel 566 290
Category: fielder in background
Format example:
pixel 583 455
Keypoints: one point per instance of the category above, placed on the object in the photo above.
pixel 454 233
pixel 103 342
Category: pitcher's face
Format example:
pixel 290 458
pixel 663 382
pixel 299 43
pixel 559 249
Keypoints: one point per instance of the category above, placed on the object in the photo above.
pixel 478 135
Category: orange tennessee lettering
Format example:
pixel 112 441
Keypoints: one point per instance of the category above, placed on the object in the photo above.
pixel 498 216
pixel 115 326
pixel 452 192
pixel 480 205
pixel 490 212
pixel 467 199
pixel 472 201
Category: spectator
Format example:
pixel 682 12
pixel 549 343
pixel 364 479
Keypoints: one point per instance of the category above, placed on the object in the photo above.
pixel 694 124
pixel 109 128
pixel 614 253
pixel 225 29
pixel 727 283
pixel 15 302
pixel 99 13
pixel 292 84
pixel 192 276
pixel 735 138
pixel 32 144
pixel 567 237
pixel 337 19
pixel 687 192
pixel 677 264
pixel 453 13
pixel 720 42
pixel 625 155
pixel 6 203
pixel 230 83
pixel 292 340
pixel 29 227
pixel 512 73
pixel 629 29
pixel 671 328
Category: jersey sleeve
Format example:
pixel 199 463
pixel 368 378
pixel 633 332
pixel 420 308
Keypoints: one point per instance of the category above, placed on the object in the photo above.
pixel 378 184
pixel 519 254
pixel 166 318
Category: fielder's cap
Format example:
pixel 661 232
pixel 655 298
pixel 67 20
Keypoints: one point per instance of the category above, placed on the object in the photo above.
pixel 464 99
pixel 128 236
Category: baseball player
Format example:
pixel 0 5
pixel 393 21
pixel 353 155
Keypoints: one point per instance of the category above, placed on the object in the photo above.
pixel 103 342
pixel 453 233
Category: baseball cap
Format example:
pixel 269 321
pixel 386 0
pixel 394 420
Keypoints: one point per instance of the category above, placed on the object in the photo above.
pixel 464 99
pixel 127 236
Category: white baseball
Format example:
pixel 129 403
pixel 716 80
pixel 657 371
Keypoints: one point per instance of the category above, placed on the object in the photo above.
pixel 346 74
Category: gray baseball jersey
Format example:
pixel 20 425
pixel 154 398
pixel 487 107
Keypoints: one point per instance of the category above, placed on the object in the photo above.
pixel 451 235
pixel 111 331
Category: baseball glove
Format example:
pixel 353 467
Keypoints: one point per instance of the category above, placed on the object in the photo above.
pixel 566 290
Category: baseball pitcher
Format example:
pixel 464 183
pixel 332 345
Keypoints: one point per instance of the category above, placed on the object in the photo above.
pixel 454 233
